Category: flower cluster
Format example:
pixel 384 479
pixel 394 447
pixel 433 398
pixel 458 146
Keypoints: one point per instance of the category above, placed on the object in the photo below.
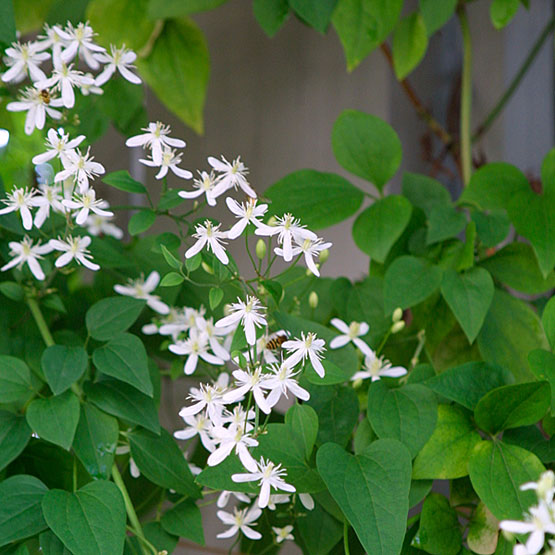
pixel 64 47
pixel 538 521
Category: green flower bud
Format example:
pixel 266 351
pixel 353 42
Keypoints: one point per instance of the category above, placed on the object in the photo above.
pixel 261 249
pixel 397 326
pixel 397 314
pixel 313 299
pixel 207 268
pixel 324 255
pixel 272 221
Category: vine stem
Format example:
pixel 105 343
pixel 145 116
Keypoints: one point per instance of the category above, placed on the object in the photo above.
pixel 40 321
pixel 346 538
pixel 466 97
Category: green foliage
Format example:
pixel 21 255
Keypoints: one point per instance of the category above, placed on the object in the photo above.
pixel 410 42
pixel 14 436
pixel 17 382
pixel 111 316
pixel 548 322
pixel 124 182
pixel 7 23
pixel 63 366
pixel 158 9
pixel 270 14
pixel 303 420
pixel 439 529
pixel 502 12
pixel 316 13
pixel 436 13
pixel 141 221
pixel 184 519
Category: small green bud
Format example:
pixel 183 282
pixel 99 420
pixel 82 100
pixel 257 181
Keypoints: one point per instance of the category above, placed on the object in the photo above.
pixel 324 255
pixel 272 221
pixel 357 383
pixel 207 268
pixel 313 299
pixel 397 326
pixel 397 314
pixel 261 249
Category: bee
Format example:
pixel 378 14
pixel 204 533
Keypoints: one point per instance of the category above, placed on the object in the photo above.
pixel 275 342
pixel 45 96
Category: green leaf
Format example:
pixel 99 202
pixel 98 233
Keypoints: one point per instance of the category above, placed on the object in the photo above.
pixel 20 510
pixel 141 221
pixel 469 296
pixel 497 470
pixel 372 489
pixel 90 521
pixel 320 199
pixel 275 289
pixel 483 531
pixel 127 22
pixel 55 419
pixel 407 413
pixel 410 42
pixel 364 24
pixel 177 70
pixel 366 146
pixel 215 296
pixel 157 536
pixel 111 316
pixel 303 420
pixel 548 322
pixel 444 223
pixel 364 436
pixel 12 290
pixel 337 410
pixel 512 406
pixel 317 13
pixel 184 520
pixel 377 228
pixel 532 439
pixel 161 461
pixel 424 192
pixel 51 545
pixel 95 441
pixel 163 9
pixel 7 23
pixel 172 279
pixel 502 12
pixel 330 531
pixel 123 102
pixel 270 14
pixel 436 13
pixel 62 366
pixel 492 227
pixel 468 383
pixel 14 436
pixel 418 490
pixel 193 263
pixel 16 381
pixel 439 530
pixel 125 358
pixel 219 477
pixel 510 331
pixel 170 258
pixel 124 401
pixel 445 455
pixel 409 281
pixel 516 266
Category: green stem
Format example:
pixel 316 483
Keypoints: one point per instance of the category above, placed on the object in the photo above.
pixel 505 97
pixel 40 321
pixel 346 538
pixel 466 97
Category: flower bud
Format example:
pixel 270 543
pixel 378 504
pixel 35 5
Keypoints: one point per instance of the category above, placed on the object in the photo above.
pixel 397 314
pixel 546 483
pixel 324 255
pixel 207 268
pixel 313 299
pixel 357 383
pixel 397 326
pixel 272 221
pixel 261 249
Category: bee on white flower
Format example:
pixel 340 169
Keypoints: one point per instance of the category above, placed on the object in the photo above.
pixel 25 252
pixel 80 167
pixel 231 176
pixel 20 200
pixel 142 288
pixel 209 235
pixel 87 202
pixel 250 314
pixel 240 521
pixel 120 59
pixel 74 248
pixel 309 346
pixel 38 103
pixel 156 137
pixel 169 161
pixel 22 59
pixel 204 185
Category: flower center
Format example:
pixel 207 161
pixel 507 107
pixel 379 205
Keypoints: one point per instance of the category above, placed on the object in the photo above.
pixel 354 328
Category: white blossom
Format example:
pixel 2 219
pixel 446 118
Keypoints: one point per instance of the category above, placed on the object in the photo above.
pixel 310 249
pixel 233 439
pixel 377 367
pixel 90 88
pixel 210 235
pixel 55 38
pixel 250 314
pixel 169 161
pixel 280 381
pixel 142 288
pixel 352 332
pixel 308 346
pixel 231 176
pixel 197 424
pixel 74 248
pixel 87 202
pixel 37 103
pixel 81 168
pixel 120 59
pixel 306 501
pixel 20 200
pixel 48 197
pixel 284 533
pixel 240 520
pixel 247 212
pixel 249 381
pixel 156 138
pixel 25 252
pixel 223 498
pixel 194 347
pixel 204 186
pixel 22 59
pixel 205 397
pixel 58 145
pixel 80 39
pixel 206 326
pixel 98 225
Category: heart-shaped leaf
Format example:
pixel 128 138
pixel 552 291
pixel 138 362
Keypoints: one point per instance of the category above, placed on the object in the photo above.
pixel 372 489
pixel 14 436
pixel 62 366
pixel 90 521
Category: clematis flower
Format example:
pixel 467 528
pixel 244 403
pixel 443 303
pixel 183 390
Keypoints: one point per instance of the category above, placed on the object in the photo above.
pixel 233 439
pixel 204 186
pixel 240 521
pixel 81 168
pixel 58 145
pixel 25 252
pixel 205 397
pixel 249 381
pixel 194 347
pixel 120 59
pixel 98 225
pixel 80 39
pixel 352 332
pixel 247 212
pixel 231 176
pixel 284 533
pixel 74 248
pixel 281 381
pixel 224 497
pixel 200 425
pixel 48 197
pixel 156 138
pixel 270 476
pixel 308 346
pixel 22 59
pixel 310 249
pixel 250 314
pixel 55 38
pixel 85 203
pixel 210 235
pixel 38 104
pixel 207 328
pixel 170 161
pixel 90 89
pixel 377 367
pixel 20 200
pixel 142 289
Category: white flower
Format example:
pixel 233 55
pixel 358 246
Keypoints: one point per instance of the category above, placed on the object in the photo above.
pixel 376 367
pixel 121 59
pixel 240 520
pixel 199 425
pixel 208 234
pixel 247 212
pixel 270 476
pixel 206 396
pixel 57 144
pixel 20 200
pixel 25 252
pixel 238 415
pixel 74 248
pixel 223 498
pixel 544 487
pixel 194 347
pixel 23 58
pixel 539 521
pixel 56 39
pixel 249 381
pixel 81 168
pixel 98 225
pixel 85 203
pixel 90 89
pixel 284 533
pixel 155 138
pixel 278 499
pixel 281 381
pixel 232 175
pixel 206 326
pixel 170 160
pixel 310 249
pixel 250 314
pixel 65 78
pixel 287 229
pixel 142 289
pixel 37 103
pixel 80 39
pixel 308 346
pixel 48 197
pixel 204 185
pixel 234 438
pixel 352 332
